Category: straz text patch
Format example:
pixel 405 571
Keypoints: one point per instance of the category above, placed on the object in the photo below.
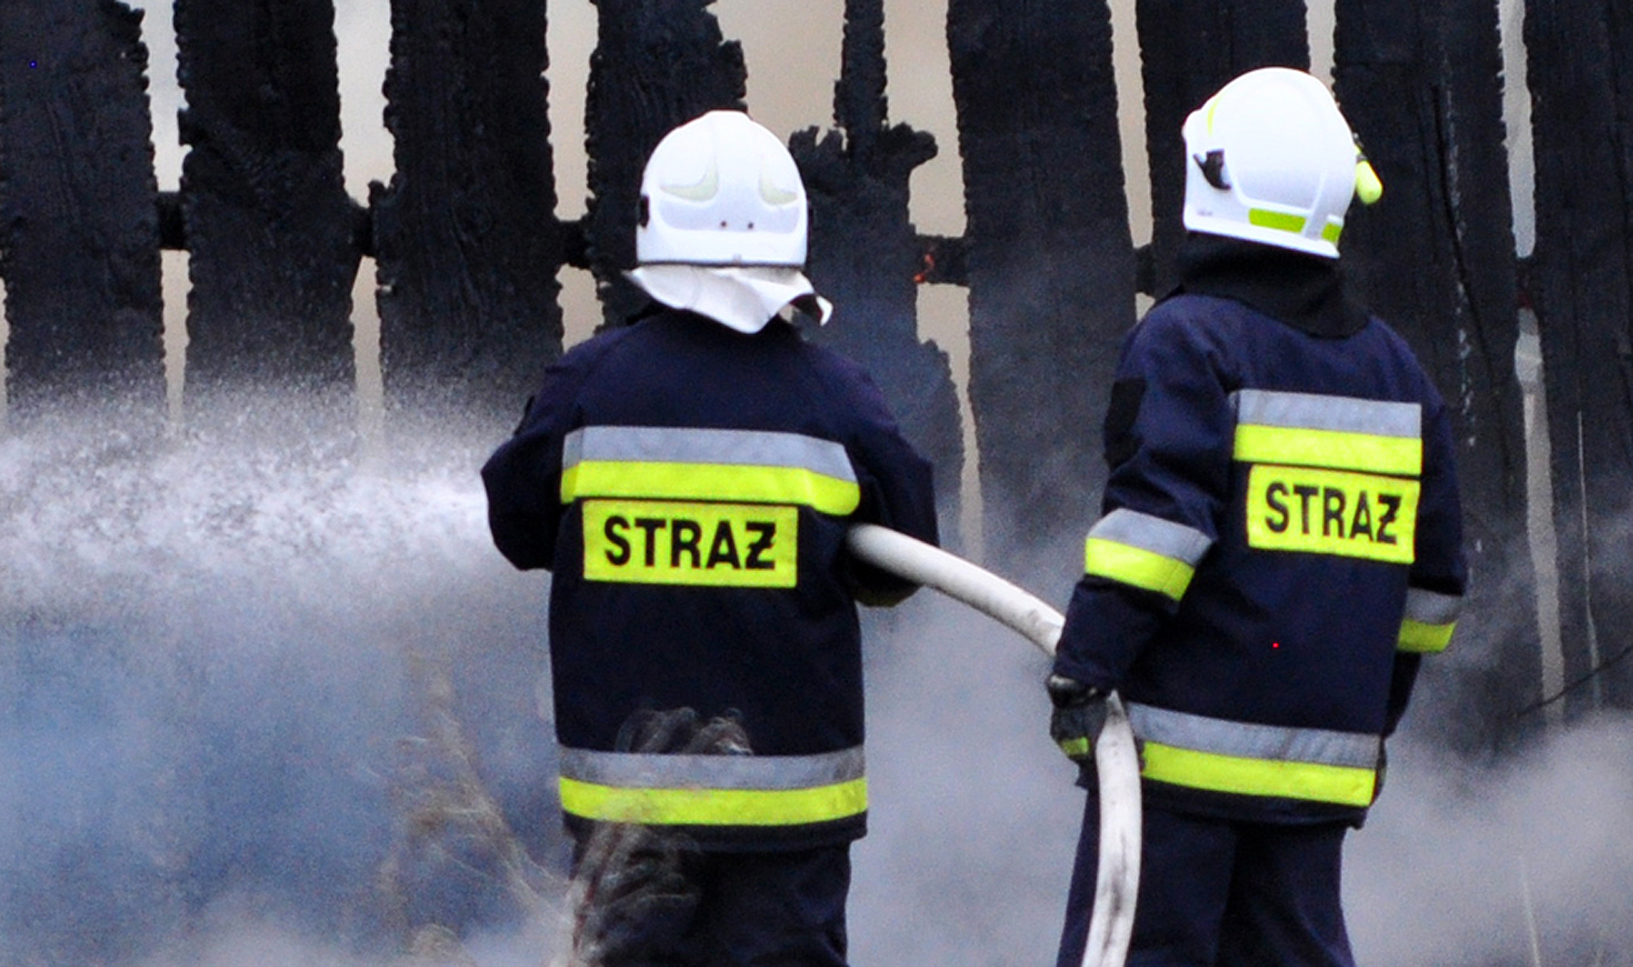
pixel 1332 512
pixel 694 543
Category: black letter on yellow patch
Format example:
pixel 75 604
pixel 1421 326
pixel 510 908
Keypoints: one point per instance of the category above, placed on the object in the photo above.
pixel 1332 511
pixel 1305 492
pixel 613 529
pixel 651 525
pixel 764 533
pixel 1272 497
pixel 1362 522
pixel 1392 505
pixel 723 550
pixel 683 538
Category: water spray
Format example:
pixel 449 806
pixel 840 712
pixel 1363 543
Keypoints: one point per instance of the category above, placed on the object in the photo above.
pixel 1116 760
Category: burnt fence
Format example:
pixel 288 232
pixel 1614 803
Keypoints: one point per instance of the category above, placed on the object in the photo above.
pixel 468 245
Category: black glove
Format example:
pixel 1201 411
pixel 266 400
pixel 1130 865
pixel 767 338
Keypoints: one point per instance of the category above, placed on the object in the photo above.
pixel 1079 715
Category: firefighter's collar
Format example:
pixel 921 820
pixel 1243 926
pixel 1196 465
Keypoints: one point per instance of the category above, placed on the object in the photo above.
pixel 1304 291
pixel 743 298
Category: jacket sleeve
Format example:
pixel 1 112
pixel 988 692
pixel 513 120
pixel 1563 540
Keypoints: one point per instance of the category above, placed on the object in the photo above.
pixel 897 491
pixel 1438 578
pixel 523 476
pixel 1168 447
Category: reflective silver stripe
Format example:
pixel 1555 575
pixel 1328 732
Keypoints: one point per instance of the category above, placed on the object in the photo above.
pixel 1251 741
pixel 1342 414
pixel 657 444
pixel 1149 533
pixel 1430 608
pixel 633 770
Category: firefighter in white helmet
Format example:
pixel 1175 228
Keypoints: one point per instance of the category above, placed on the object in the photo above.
pixel 1281 543
pixel 689 481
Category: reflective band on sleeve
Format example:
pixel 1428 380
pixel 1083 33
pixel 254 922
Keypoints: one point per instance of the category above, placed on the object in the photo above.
pixel 748 466
pixel 1424 639
pixel 1079 746
pixel 1309 430
pixel 1199 752
pixel 1144 551
pixel 1429 621
pixel 713 790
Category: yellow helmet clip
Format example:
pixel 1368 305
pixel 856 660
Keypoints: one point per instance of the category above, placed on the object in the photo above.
pixel 1368 186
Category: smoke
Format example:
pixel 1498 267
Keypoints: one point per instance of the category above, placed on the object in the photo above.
pixel 207 689
pixel 278 700
pixel 1529 862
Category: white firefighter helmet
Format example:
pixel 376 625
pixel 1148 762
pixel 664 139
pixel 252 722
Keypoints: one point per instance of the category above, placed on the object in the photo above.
pixel 721 190
pixel 1271 159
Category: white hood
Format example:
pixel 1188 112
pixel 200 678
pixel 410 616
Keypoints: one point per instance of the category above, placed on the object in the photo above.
pixel 743 298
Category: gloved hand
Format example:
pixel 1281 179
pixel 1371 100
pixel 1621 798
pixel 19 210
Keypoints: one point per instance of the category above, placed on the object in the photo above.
pixel 1078 717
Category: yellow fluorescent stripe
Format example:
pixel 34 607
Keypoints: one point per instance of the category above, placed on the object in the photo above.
pixel 1280 220
pixel 1416 636
pixel 714 807
pixel 1344 785
pixel 1076 747
pixel 1332 232
pixel 707 481
pixel 1136 566
pixel 1339 450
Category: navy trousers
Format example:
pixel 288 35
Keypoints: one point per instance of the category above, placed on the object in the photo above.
pixel 716 909
pixel 1216 893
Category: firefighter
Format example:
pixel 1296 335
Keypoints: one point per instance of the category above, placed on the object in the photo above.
pixel 1280 545
pixel 688 481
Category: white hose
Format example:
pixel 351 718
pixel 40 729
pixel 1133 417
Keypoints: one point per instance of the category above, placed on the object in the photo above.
pixel 1117 763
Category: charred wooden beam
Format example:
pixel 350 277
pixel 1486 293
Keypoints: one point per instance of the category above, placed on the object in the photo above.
pixel 657 64
pixel 267 218
pixel 173 225
pixel 79 229
pixel 1580 72
pixel 1188 50
pixel 1422 87
pixel 865 253
pixel 1049 257
pixel 466 238
pixel 943 260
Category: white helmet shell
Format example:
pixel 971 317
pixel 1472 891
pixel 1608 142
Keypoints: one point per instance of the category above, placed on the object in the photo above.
pixel 721 190
pixel 1271 159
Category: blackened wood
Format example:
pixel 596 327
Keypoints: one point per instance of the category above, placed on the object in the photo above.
pixel 1188 50
pixel 466 235
pixel 1580 58
pixel 268 221
pixel 657 64
pixel 1421 85
pixel 1049 258
pixel 79 232
pixel 865 253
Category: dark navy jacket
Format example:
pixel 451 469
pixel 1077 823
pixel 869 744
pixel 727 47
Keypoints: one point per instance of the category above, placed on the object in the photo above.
pixel 690 488
pixel 1281 542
